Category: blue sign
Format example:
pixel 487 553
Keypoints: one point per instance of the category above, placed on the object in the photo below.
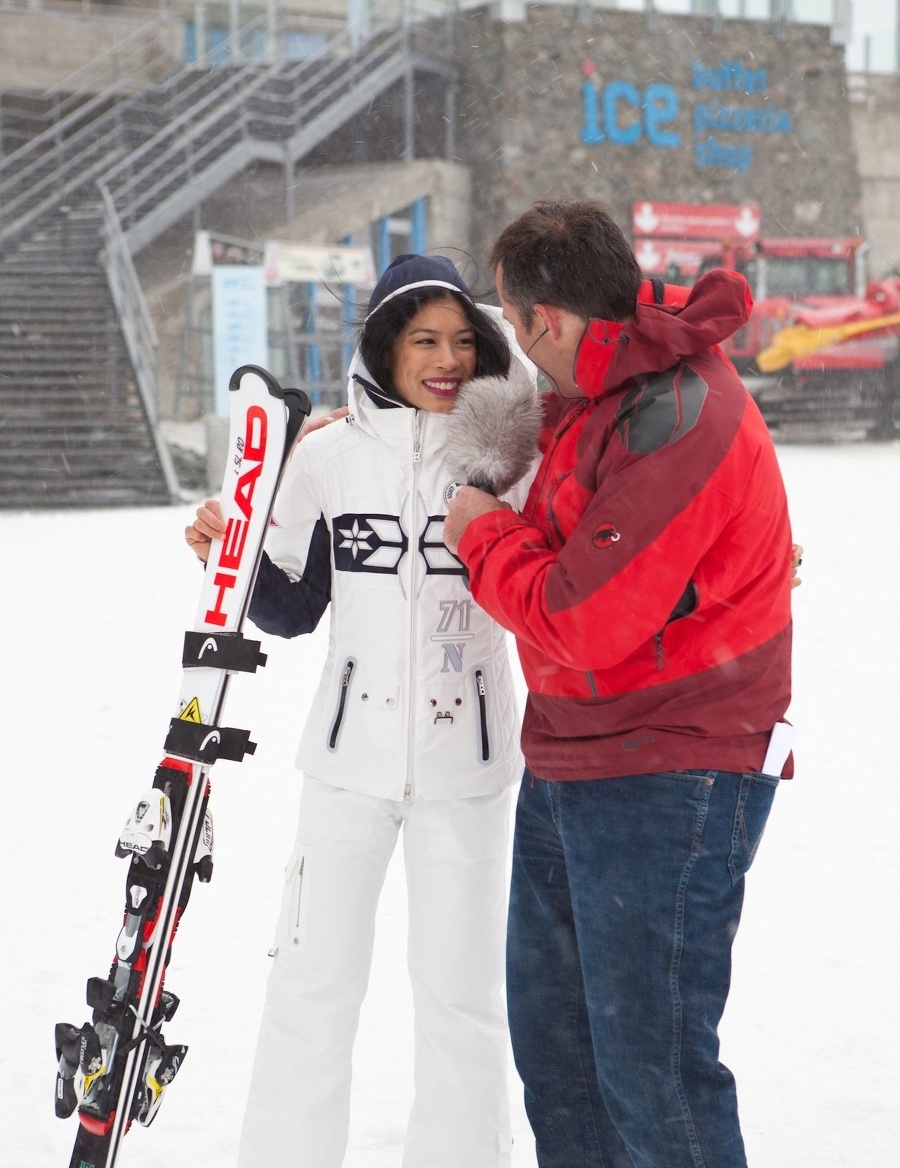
pixel 239 324
pixel 624 114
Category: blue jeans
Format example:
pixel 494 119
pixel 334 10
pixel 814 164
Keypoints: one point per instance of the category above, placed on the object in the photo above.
pixel 626 896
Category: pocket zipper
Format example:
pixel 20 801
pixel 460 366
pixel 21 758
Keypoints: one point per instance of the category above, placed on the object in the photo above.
pixel 482 715
pixel 342 704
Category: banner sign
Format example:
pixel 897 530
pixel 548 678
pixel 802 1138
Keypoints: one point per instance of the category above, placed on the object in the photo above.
pixel 211 250
pixel 673 259
pixel 319 263
pixel 731 112
pixel 673 239
pixel 239 325
pixel 723 222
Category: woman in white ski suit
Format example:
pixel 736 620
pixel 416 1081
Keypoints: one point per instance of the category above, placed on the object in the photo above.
pixel 414 725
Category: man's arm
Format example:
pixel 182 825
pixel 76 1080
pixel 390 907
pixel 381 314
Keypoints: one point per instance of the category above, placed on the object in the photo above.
pixel 624 568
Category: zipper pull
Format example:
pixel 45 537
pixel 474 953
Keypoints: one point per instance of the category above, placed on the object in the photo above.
pixel 659 652
pixel 417 447
pixel 407 792
pixel 417 452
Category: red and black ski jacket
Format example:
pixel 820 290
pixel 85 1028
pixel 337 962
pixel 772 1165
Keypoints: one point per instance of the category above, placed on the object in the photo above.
pixel 647 579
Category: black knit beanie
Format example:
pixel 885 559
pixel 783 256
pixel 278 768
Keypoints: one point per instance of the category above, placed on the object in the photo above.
pixel 416 271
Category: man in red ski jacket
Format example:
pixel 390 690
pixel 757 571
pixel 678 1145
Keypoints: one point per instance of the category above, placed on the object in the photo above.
pixel 647 582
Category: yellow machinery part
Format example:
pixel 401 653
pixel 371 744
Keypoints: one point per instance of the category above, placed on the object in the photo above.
pixel 799 340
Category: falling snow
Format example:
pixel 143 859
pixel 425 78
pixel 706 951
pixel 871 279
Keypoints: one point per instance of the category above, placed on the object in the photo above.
pixel 96 604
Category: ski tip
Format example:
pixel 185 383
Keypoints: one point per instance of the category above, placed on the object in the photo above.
pixel 298 408
pixel 270 382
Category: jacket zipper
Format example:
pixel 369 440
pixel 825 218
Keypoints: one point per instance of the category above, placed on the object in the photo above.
pixel 342 704
pixel 551 514
pixel 679 612
pixel 568 420
pixel 417 461
pixel 482 715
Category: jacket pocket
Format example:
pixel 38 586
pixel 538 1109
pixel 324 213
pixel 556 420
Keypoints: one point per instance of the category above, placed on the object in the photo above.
pixel 340 712
pixel 462 708
pixel 685 606
pixel 479 679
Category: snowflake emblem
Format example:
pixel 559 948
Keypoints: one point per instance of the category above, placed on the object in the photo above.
pixel 355 538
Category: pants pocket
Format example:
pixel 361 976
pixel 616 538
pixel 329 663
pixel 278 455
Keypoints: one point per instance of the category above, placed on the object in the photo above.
pixel 290 933
pixel 754 802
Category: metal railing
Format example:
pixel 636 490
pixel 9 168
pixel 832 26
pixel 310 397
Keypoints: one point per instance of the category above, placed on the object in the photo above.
pixel 81 146
pixel 136 326
pixel 276 113
pixel 136 61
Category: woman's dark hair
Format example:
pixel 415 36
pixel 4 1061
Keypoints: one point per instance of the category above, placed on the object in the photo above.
pixel 569 253
pixel 380 332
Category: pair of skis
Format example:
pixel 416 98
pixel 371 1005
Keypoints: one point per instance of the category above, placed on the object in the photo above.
pixel 114 1069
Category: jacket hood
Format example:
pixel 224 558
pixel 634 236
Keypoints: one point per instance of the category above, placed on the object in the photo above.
pixel 662 335
pixel 361 385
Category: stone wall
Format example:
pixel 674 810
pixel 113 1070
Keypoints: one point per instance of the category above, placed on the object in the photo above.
pixel 41 49
pixel 627 106
pixel 875 118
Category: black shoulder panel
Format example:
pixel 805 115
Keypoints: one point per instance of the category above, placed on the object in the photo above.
pixel 661 409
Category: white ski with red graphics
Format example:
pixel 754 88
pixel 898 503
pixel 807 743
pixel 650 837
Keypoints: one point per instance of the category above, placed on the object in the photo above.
pixel 114 1069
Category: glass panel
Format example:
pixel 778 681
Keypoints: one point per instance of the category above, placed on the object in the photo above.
pixel 807 276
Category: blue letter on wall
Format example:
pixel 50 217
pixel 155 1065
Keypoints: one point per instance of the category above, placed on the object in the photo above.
pixel 621 91
pixel 591 133
pixel 651 112
pixel 662 108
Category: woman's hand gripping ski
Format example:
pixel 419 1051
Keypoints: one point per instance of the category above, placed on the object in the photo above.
pixel 210 525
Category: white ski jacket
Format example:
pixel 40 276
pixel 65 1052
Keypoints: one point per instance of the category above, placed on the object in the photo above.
pixel 416 698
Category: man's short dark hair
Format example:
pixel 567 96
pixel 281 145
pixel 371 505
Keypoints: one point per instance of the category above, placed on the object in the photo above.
pixel 569 253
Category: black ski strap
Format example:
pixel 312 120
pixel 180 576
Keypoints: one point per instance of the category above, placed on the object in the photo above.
pixel 202 743
pixel 231 651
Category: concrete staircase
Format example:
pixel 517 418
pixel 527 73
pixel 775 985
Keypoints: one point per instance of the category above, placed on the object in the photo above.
pixel 73 429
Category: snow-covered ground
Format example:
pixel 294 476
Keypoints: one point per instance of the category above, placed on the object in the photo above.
pixel 96 603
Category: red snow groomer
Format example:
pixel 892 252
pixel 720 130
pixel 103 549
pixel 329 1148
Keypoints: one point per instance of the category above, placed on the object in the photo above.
pixel 821 351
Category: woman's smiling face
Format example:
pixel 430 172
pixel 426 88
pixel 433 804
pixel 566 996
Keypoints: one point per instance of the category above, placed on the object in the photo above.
pixel 433 355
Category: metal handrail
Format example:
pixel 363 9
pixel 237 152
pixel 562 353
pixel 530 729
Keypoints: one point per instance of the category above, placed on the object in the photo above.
pixel 58 137
pixel 136 326
pixel 91 87
pixel 190 125
pixel 51 162
pixel 68 163
pixel 292 96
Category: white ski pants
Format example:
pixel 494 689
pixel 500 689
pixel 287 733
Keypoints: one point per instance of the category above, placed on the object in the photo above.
pixel 455 857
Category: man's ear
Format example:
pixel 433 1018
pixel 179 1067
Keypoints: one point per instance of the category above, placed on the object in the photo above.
pixel 552 318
